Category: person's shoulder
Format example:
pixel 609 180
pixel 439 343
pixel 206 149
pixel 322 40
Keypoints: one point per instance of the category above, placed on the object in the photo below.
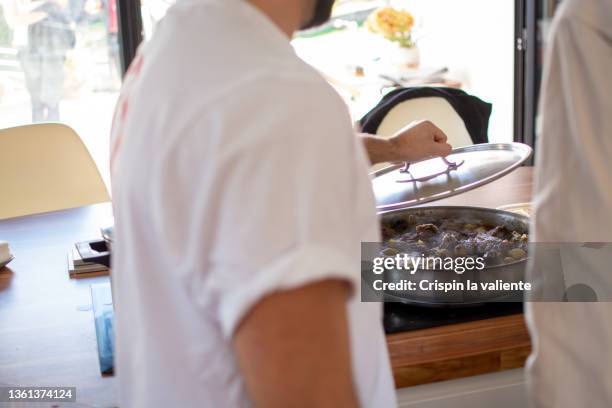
pixel 595 14
pixel 296 82
pixel 292 101
pixel 198 50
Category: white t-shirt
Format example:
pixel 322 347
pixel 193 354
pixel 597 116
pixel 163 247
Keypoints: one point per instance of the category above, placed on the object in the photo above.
pixel 235 173
pixel 571 363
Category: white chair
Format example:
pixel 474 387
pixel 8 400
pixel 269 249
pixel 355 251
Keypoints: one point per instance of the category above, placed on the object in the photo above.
pixel 46 167
pixel 433 108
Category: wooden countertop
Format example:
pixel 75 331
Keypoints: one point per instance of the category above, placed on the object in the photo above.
pixel 458 350
pixel 47 334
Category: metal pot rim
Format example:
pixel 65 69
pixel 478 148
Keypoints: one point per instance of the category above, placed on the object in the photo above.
pixel 519 217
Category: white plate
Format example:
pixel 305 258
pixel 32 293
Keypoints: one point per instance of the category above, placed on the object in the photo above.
pixel 4 263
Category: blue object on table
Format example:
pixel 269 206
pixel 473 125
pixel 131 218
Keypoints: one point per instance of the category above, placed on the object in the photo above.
pixel 102 301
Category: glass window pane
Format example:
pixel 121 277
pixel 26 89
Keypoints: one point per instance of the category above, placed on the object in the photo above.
pixel 59 62
pixel 463 44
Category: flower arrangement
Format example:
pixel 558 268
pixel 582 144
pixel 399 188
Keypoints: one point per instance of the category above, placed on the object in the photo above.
pixel 393 24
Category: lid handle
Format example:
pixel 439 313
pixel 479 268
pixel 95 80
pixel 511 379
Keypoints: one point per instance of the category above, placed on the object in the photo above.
pixel 450 166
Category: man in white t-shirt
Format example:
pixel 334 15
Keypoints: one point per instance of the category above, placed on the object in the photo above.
pixel 241 196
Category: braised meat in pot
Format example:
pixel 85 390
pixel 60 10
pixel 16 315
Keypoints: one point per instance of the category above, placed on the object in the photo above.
pixel 422 236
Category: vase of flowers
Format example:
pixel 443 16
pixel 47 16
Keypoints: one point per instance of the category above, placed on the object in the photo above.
pixel 396 25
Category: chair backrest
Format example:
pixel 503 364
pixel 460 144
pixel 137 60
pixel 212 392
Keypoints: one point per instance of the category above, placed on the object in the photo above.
pixel 46 167
pixel 433 108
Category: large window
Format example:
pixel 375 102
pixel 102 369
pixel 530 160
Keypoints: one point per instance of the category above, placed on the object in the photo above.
pixel 59 61
pixel 465 44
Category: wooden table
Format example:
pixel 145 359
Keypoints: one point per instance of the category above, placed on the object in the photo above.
pixel 47 332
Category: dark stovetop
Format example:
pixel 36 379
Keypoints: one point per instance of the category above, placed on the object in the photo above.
pixel 399 317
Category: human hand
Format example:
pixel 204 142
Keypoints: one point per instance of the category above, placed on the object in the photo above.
pixel 418 141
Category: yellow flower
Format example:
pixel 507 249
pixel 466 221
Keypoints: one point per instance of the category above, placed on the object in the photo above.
pixel 389 21
pixel 393 24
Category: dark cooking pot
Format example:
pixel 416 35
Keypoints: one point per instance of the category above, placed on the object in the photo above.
pixel 512 272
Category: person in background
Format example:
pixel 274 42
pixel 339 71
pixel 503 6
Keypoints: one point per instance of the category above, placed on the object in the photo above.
pixel 571 363
pixel 111 20
pixel 44 36
pixel 19 14
pixel 112 40
pixel 241 195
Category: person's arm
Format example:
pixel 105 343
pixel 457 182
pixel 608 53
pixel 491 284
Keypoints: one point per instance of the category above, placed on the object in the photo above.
pixel 281 300
pixel 293 348
pixel 417 141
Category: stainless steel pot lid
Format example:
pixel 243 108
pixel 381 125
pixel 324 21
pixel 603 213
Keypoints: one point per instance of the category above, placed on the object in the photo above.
pixel 401 185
